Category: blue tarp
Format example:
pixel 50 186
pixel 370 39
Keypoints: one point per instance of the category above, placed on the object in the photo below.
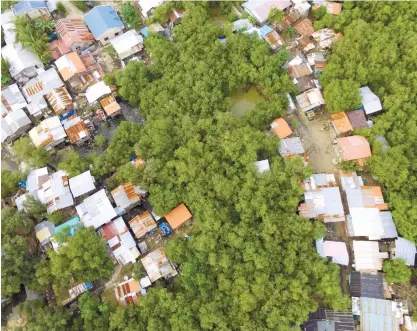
pixel 67 115
pixel 166 230
pixel 89 285
pixel 22 184
pixel 265 30
pixel 145 32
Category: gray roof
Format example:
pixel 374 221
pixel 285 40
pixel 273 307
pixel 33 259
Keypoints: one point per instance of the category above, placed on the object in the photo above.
pixel 366 285
pixel 13 97
pixel 405 250
pixel 335 321
pixel 370 100
pixel 377 314
pixel 390 231
pixel 325 202
pixel 291 146
pixel 358 119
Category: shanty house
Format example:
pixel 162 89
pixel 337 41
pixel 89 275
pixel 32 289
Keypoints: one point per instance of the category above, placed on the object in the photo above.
pixel 96 210
pixel 324 204
pixel 12 99
pixel 23 64
pixel 127 44
pixel 304 27
pixel 326 37
pixel 13 124
pixel 370 101
pixel 318 181
pixel 69 228
pixel 120 241
pixel 299 70
pixel 60 100
pixel 341 124
pixel 281 128
pixel 126 196
pixel 111 106
pixel 354 148
pixel 127 292
pixel 82 184
pixel 333 8
pixel 152 29
pixel 58 48
pixel 178 216
pixel 49 133
pixel 142 224
pixel 366 285
pixel 36 178
pixel 350 180
pixel 262 166
pixel 260 9
pixel 271 37
pixel 406 250
pixel 357 119
pixel 76 129
pixel 148 6
pixel 44 232
pixel 309 100
pixel 329 320
pixel 367 256
pixel 157 265
pixel 32 9
pixel 96 91
pixel 377 314
pixel 176 15
pixel 74 34
pixel 104 23
pixel 291 146
pixel 366 197
pixel 336 250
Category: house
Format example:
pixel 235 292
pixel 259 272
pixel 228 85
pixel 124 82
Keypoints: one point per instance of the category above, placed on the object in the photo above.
pixel 367 256
pixel 377 314
pixel 370 101
pixel 142 224
pixel 82 184
pixel 157 265
pixel 60 100
pixel 305 43
pixel 366 197
pixel 12 99
pixel 357 119
pixel 55 192
pixel 120 241
pixel 271 37
pixel 305 83
pixel 309 100
pixel 354 148
pixel 336 250
pixel 302 8
pixel 262 166
pixel 126 196
pixel 49 133
pixel 291 146
pixel 319 63
pixel 281 128
pixel 176 15
pixel 406 250
pixel 318 181
pixel 13 124
pixel 154 28
pixel 68 228
pixel 178 216
pixel 80 71
pixel 326 37
pixel 74 34
pixel 341 124
pixel 96 91
pixel 333 8
pixel 366 285
pixel 304 27
pixel 298 67
pixel 76 129
pixel 110 106
pixel 127 292
pixel 350 180
pixel 127 44
pixel 44 232
pixel 370 223
pixel 104 23
pixel 23 64
pixel 260 9
pixel 329 320
pixel 58 48
pixel 148 6
pixel 96 210
pixel 9 29
pixel 36 178
pixel 241 25
pixel 324 204
pixel 32 9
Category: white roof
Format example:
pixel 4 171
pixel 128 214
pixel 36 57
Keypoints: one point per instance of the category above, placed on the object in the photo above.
pixel 8 27
pixel 35 109
pixel 44 83
pixel 13 98
pixel 50 127
pixel 96 210
pixel 406 250
pixel 310 99
pixel 147 5
pixel 370 101
pixel 12 122
pixel 365 222
pixel 145 282
pixel 260 8
pixel 157 265
pixel 96 91
pixel 262 166
pixel 55 192
pixel 82 184
pixel 20 59
pixel 337 250
pixel 126 41
pixel 34 180
pixel 351 181
pixel 51 4
pixel 367 255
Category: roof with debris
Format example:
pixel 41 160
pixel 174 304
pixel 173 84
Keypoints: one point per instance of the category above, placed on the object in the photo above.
pixel 157 265
pixel 178 216
pixel 354 148
pixel 367 256
pixel 142 224
pixel 337 250
pixel 82 184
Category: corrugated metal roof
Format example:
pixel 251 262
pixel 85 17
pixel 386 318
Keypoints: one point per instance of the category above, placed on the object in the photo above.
pixel 358 119
pixel 341 123
pixel 366 285
pixel 406 250
pixel 378 314
pixel 102 18
pixel 390 231
pixel 370 100
pixel 343 321
pixel 304 27
pixel 291 146
pixel 22 7
pixel 367 255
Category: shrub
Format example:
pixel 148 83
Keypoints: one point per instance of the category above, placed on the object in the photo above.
pixel 232 17
pixel 62 10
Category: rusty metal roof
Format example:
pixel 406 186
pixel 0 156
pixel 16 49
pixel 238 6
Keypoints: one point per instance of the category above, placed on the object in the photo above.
pixel 304 27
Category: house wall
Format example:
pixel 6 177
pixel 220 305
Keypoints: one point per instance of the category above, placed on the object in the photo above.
pixel 109 34
pixel 54 143
pixel 35 13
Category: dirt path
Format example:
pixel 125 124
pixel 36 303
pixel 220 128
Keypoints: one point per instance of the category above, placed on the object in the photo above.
pixel 113 281
pixel 73 12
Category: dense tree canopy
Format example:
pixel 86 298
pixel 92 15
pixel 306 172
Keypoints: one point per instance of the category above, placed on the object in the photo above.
pixel 396 271
pixel 27 152
pixel 379 49
pixel 9 181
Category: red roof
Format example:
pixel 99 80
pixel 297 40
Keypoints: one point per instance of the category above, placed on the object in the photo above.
pixel 73 31
pixel 354 148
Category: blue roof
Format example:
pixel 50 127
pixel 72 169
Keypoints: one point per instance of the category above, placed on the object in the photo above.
pixel 23 7
pixel 101 18
pixel 73 223
pixel 265 30
pixel 144 31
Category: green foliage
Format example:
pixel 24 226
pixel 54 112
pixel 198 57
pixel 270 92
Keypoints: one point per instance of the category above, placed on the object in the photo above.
pixel 100 140
pixel 83 258
pixel 6 4
pixel 244 15
pixel 6 78
pixel 276 15
pixel 73 163
pixel 342 95
pixel 34 208
pixel 94 314
pixel 9 181
pixel 319 13
pixel 131 15
pixel 232 16
pixel 109 79
pixel 81 5
pixel 290 32
pixel 348 166
pixel 396 271
pixel 111 52
pixel 252 19
pixel 43 279
pixel 27 152
pixel 320 230
pixel 161 13
pixel 14 223
pixel 62 10
pixel 57 217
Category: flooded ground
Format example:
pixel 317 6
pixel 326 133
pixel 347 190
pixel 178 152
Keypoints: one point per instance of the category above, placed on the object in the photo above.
pixel 244 101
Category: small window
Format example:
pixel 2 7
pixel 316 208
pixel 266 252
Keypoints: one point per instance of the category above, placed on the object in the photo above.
pixel 106 39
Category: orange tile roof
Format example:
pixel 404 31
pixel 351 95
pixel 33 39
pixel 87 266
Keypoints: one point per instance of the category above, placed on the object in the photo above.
pixel 341 122
pixel 73 31
pixel 354 148
pixel 281 128
pixel 178 216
